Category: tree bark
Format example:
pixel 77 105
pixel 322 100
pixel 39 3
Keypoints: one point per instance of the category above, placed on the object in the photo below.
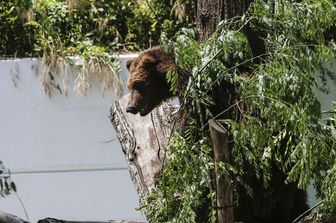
pixel 143 141
pixel 210 12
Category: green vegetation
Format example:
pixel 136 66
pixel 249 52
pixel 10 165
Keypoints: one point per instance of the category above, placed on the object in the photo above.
pixel 85 34
pixel 31 27
pixel 16 35
pixel 281 111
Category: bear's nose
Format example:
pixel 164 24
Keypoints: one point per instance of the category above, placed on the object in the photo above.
pixel 132 109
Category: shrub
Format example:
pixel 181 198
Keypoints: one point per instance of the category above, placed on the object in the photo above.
pixel 16 30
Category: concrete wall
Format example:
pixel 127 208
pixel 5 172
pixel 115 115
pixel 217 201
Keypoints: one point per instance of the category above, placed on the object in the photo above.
pixel 62 151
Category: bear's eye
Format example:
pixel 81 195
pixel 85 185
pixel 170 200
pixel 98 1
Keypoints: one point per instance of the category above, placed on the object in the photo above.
pixel 140 86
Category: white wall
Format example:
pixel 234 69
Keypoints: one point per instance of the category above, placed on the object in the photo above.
pixel 63 152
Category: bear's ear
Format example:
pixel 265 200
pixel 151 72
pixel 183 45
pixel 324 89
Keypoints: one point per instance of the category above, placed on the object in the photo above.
pixel 129 63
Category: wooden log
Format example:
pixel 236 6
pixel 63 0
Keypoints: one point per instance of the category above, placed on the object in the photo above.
pixel 54 220
pixel 9 218
pixel 224 194
pixel 143 141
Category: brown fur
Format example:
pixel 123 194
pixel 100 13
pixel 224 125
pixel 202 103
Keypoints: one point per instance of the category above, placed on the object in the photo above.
pixel 147 82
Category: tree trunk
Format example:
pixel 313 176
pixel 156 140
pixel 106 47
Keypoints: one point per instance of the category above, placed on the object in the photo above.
pixel 210 12
pixel 143 141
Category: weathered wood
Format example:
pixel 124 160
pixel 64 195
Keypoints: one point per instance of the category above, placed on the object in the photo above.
pixel 143 141
pixel 9 218
pixel 224 193
pixel 53 220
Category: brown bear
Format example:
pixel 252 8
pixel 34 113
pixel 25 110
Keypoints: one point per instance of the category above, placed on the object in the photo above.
pixel 147 82
pixel 278 203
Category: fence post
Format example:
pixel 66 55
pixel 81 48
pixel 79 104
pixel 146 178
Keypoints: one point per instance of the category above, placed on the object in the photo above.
pixel 224 194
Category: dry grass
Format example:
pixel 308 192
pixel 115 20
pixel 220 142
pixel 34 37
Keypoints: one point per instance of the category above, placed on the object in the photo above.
pixel 27 15
pixel 178 11
pixel 55 71
pixel 15 74
pixel 45 76
pixel 106 73
pixel 82 84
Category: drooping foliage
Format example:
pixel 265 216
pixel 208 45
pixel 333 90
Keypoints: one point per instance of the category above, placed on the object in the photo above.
pixel 85 34
pixel 281 121
pixel 6 185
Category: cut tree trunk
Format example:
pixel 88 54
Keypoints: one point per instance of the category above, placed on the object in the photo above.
pixel 143 141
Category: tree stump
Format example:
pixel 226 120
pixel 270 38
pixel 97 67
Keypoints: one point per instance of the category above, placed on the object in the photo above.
pixel 9 218
pixel 143 141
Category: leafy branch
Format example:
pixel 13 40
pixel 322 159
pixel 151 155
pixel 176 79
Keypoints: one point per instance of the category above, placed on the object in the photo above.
pixel 279 114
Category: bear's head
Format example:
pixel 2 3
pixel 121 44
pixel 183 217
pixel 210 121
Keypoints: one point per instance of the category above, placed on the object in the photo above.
pixel 147 82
